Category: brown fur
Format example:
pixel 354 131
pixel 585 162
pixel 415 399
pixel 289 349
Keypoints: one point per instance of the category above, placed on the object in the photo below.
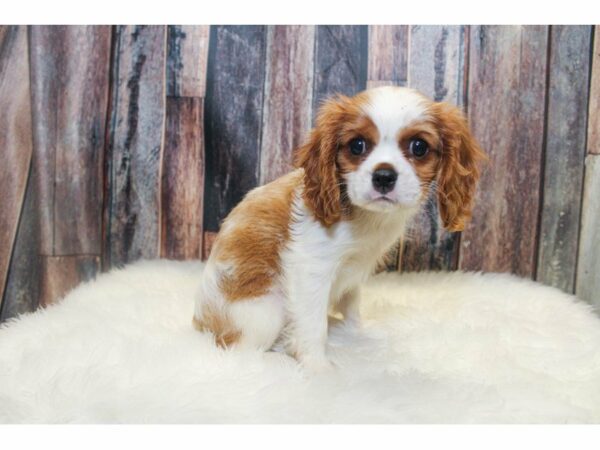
pixel 219 325
pixel 459 170
pixel 253 236
pixel 339 120
pixel 426 167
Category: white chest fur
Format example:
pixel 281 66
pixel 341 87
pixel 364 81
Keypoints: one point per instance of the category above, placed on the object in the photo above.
pixel 342 256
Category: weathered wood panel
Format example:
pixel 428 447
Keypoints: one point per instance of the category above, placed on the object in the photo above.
pixel 22 293
pixel 233 111
pixel 593 138
pixel 135 144
pixel 564 156
pixel 15 138
pixel 69 77
pixel 183 180
pixel 287 110
pixel 507 80
pixel 588 264
pixel 387 55
pixel 60 274
pixel 187 55
pixel 436 68
pixel 341 60
pixel 207 243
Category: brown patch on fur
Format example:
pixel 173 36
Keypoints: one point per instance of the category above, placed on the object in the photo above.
pixel 219 325
pixel 252 238
pixel 384 166
pixel 426 167
pixel 459 165
pixel 340 120
pixel 362 127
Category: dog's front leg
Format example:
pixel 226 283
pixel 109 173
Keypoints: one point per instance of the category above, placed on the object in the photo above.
pixel 349 306
pixel 308 300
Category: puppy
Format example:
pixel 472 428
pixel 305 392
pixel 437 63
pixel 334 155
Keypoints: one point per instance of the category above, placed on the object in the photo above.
pixel 307 241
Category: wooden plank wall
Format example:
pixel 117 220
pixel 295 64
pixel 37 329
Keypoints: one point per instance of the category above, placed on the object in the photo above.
pixel 588 264
pixel 128 142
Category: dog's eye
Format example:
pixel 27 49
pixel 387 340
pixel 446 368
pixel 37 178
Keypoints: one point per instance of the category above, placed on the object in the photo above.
pixel 358 146
pixel 418 148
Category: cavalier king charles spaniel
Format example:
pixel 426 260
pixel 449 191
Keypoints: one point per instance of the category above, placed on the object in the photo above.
pixel 304 243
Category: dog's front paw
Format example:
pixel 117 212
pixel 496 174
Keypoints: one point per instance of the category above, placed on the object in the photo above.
pixel 317 365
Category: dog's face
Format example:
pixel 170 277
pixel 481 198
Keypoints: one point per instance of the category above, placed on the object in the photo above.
pixel 383 150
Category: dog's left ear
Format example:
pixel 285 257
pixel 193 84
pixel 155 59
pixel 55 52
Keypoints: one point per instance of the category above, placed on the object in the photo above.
pixel 459 171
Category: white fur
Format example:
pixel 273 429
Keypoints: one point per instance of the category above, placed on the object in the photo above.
pixel 321 265
pixel 391 109
pixel 450 348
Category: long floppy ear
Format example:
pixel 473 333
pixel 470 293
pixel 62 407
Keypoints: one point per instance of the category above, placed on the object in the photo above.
pixel 318 159
pixel 459 171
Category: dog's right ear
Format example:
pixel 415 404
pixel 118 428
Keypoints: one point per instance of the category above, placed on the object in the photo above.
pixel 318 159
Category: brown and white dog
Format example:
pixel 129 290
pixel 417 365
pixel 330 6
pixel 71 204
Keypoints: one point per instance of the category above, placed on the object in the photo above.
pixel 307 241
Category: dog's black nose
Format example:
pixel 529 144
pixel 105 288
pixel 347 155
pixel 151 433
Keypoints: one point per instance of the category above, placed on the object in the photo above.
pixel 384 180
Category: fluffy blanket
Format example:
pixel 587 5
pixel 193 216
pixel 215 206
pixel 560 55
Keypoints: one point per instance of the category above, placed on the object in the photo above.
pixel 433 347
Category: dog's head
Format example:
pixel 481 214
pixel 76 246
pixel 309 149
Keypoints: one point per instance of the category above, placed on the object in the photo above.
pixel 384 149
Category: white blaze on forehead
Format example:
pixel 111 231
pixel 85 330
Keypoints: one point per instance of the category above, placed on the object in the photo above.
pixel 392 108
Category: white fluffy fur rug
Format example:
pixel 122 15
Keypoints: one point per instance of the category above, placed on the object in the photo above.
pixel 433 348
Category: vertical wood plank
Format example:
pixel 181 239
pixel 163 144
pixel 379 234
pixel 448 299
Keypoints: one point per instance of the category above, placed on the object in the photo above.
pixel 187 51
pixel 564 156
pixel 233 117
pixel 22 293
pixel 207 243
pixel 593 137
pixel 436 67
pixel 507 80
pixel 183 160
pixel 183 180
pixel 60 274
pixel 288 97
pixel 69 93
pixel 341 60
pixel 136 144
pixel 15 139
pixel 388 55
pixel 588 264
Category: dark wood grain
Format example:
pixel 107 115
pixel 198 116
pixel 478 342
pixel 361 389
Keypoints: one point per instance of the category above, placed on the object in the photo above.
pixel 437 69
pixel 588 264
pixel 60 274
pixel 22 293
pixel 388 55
pixel 341 60
pixel 207 243
pixel 506 111
pixel 135 144
pixel 187 55
pixel 233 112
pixel 593 137
pixel 15 138
pixel 69 84
pixel 564 156
pixel 183 180
pixel 287 110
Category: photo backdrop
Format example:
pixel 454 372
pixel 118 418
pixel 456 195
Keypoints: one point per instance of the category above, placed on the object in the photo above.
pixel 128 142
